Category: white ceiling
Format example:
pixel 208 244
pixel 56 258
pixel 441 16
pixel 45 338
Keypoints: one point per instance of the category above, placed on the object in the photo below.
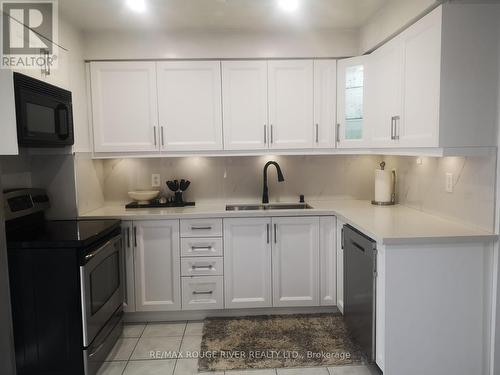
pixel 91 15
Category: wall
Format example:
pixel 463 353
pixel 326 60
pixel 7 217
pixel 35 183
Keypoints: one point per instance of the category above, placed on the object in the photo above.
pixel 392 17
pixel 55 173
pixel 220 44
pixel 422 186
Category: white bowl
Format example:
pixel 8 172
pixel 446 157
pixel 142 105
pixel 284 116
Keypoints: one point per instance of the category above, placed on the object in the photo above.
pixel 143 196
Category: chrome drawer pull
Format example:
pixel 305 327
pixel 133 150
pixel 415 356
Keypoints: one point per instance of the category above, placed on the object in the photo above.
pixel 198 248
pixel 201 293
pixel 201 228
pixel 202 267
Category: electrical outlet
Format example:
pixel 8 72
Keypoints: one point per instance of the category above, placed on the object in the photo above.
pixel 155 180
pixel 449 182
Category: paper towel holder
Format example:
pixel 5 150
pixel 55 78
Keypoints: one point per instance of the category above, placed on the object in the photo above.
pixel 393 195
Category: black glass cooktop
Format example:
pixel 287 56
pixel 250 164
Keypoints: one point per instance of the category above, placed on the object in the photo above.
pixel 61 233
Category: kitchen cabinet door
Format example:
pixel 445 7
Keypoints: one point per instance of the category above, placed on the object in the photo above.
pixel 384 94
pixel 340 266
pixel 244 98
pixel 296 261
pixel 190 108
pixel 157 265
pixel 128 279
pixel 328 260
pixel 247 262
pixel 124 106
pixel 422 82
pixel 291 104
pixel 351 102
pixel 325 103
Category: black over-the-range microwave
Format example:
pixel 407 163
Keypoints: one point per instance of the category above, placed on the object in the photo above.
pixel 44 113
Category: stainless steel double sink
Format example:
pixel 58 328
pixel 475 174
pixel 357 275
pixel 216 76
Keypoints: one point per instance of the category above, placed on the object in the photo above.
pixel 265 207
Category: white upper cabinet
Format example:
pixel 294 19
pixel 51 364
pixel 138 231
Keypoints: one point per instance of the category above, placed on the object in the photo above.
pixel 244 99
pixel 421 45
pixel 189 102
pixel 325 99
pixel 351 98
pixel 124 106
pixel 296 261
pixel 291 104
pixel 247 262
pixel 384 95
pixel 157 265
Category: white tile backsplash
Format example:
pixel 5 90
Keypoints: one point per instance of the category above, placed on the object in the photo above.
pixel 325 177
pixel 422 186
pixel 240 178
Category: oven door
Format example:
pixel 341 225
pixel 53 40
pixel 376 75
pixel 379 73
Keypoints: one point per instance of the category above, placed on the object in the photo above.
pixel 102 289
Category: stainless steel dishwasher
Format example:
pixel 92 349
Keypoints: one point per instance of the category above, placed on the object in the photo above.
pixel 360 273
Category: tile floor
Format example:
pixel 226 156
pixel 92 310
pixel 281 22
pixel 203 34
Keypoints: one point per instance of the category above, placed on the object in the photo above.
pixel 131 354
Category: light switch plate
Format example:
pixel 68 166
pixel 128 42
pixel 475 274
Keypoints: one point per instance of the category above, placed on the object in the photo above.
pixel 155 180
pixel 449 182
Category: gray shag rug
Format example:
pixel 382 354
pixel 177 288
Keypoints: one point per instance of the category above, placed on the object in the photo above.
pixel 276 341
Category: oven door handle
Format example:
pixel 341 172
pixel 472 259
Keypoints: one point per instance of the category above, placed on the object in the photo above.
pixel 96 252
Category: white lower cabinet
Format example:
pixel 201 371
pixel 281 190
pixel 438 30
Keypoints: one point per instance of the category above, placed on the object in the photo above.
pixel 202 293
pixel 157 265
pixel 255 263
pixel 295 261
pixel 247 262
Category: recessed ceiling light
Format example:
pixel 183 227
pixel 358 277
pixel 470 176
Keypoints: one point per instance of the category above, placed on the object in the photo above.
pixel 138 6
pixel 289 5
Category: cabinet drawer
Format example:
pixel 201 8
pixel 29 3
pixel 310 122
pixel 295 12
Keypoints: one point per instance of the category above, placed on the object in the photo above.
pixel 202 266
pixel 202 292
pixel 201 228
pixel 201 247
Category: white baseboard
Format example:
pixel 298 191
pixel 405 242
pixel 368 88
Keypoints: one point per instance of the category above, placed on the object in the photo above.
pixel 168 316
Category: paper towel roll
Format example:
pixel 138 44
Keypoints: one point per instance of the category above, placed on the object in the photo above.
pixel 383 186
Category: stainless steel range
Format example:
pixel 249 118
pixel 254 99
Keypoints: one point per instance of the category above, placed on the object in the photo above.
pixel 66 281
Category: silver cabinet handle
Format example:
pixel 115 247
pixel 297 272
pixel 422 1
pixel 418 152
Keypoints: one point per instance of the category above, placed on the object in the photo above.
pixel 272 135
pixel 201 248
pixel 154 134
pixel 275 232
pixel 135 236
pixel 396 127
pixel 198 248
pixel 202 267
pixel 392 128
pixel 162 138
pixel 317 133
pixel 338 133
pixel 202 228
pixel 267 228
pixel 265 134
pixel 128 237
pixel 199 293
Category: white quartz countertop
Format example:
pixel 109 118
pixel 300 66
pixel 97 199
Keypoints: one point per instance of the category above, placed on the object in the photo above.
pixel 389 225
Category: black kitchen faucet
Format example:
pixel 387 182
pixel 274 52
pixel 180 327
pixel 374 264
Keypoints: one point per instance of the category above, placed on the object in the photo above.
pixel 265 190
